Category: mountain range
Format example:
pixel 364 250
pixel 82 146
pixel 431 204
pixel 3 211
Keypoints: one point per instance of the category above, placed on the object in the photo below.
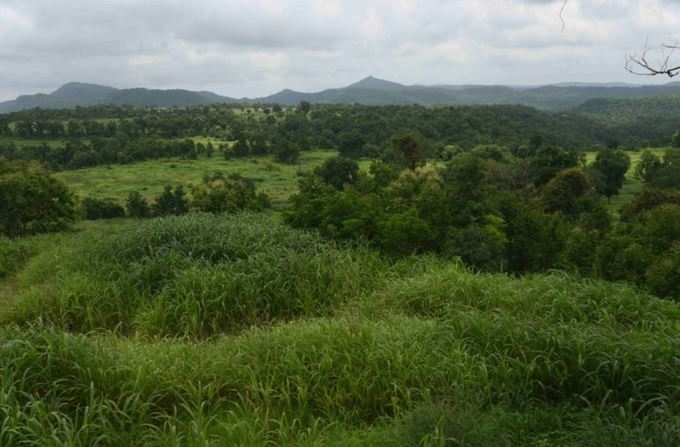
pixel 368 91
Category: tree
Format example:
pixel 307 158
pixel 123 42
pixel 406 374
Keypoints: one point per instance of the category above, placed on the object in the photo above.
pixel 676 140
pixel 240 149
pixel 351 144
pixel 548 161
pixel 562 193
pixel 648 167
pixel 409 149
pixel 171 202
pixel 612 166
pixel 137 206
pixel 304 107
pixel 219 194
pixel 32 201
pixel 286 151
pixel 338 172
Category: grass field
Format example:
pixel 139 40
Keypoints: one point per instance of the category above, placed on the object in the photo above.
pixel 278 180
pixel 19 142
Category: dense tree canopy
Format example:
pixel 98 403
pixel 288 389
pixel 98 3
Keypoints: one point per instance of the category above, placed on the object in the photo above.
pixel 32 201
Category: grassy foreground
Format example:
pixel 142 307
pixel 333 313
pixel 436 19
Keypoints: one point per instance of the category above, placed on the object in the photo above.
pixel 214 331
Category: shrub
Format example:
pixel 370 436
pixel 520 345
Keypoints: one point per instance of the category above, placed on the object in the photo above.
pixel 137 206
pixel 32 201
pixel 96 209
pixel 219 194
pixel 171 202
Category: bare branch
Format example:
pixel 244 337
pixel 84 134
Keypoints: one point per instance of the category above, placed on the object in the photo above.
pixel 640 64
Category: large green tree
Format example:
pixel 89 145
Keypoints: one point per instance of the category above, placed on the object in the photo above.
pixel 611 166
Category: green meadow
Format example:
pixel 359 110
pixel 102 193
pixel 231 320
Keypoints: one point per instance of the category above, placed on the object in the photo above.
pixel 275 179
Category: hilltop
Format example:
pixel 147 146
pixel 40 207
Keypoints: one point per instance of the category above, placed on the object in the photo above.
pixel 368 91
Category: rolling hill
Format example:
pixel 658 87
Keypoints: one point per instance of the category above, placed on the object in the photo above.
pixel 368 91
pixel 78 94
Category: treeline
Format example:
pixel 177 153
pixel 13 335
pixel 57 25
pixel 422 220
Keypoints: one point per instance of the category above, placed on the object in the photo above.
pixel 501 211
pixel 636 122
pixel 78 154
pixel 329 126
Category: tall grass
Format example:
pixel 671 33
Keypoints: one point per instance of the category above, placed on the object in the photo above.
pixel 13 255
pixel 271 336
pixel 196 275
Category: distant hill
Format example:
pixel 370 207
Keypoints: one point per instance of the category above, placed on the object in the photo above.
pixel 372 91
pixel 649 120
pixel 368 91
pixel 78 94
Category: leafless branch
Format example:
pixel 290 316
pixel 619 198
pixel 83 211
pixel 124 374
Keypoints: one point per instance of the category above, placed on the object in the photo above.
pixel 641 64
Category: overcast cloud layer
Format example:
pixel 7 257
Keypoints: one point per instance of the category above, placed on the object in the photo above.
pixel 257 47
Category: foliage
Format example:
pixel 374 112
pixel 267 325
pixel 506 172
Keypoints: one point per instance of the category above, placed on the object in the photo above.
pixel 220 193
pixel 660 173
pixel 471 208
pixel 137 206
pixel 172 202
pixel 94 209
pixel 32 201
pixel 648 167
pixel 612 166
pixel 409 150
pixel 338 172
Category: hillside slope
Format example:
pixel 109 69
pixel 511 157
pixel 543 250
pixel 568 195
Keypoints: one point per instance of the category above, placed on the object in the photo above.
pixel 368 91
pixel 83 95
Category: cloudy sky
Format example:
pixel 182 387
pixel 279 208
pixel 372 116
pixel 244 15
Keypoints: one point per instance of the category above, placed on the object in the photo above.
pixel 257 47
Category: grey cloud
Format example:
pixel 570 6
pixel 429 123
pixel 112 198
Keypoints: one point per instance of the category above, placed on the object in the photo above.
pixel 254 47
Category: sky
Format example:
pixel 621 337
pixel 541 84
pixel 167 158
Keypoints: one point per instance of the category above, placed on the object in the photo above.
pixel 257 47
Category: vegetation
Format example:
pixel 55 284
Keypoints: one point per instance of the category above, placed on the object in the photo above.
pixel 32 201
pixel 419 287
pixel 420 352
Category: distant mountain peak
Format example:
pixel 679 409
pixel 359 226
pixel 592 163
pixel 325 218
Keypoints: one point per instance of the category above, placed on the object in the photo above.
pixel 374 83
pixel 81 90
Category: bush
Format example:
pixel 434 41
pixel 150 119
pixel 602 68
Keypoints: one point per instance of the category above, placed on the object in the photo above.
pixel 233 193
pixel 171 202
pixel 137 206
pixel 32 201
pixel 96 209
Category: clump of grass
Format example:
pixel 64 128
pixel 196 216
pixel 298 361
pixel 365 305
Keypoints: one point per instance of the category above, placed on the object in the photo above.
pixel 398 382
pixel 197 275
pixel 13 255
pixel 551 337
